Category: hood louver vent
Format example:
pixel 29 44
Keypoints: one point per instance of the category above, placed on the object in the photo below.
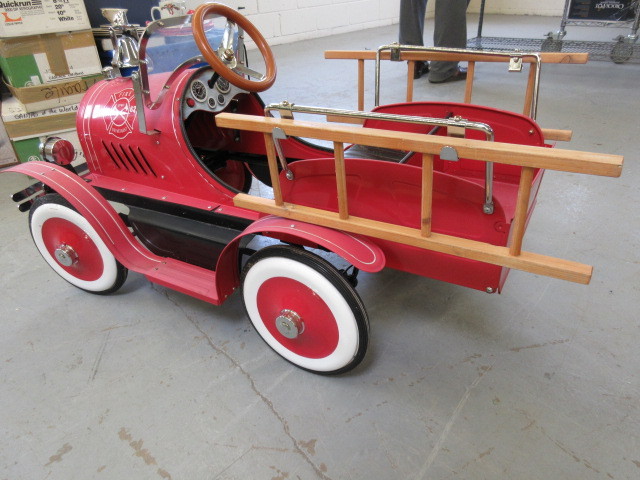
pixel 128 158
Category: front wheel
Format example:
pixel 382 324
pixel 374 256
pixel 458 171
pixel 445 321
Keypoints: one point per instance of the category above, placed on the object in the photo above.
pixel 72 247
pixel 305 310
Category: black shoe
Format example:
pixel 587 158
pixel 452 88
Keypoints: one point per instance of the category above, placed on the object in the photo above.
pixel 459 74
pixel 420 68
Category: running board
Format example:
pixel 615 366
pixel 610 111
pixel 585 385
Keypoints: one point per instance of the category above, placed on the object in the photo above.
pixel 189 279
pixel 177 275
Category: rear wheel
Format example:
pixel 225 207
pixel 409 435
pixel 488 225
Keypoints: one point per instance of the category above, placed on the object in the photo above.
pixel 72 247
pixel 305 310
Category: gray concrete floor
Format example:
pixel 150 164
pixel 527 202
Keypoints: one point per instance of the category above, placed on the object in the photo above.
pixel 540 382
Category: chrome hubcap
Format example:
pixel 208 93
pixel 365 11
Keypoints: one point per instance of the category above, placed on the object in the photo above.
pixel 289 324
pixel 65 255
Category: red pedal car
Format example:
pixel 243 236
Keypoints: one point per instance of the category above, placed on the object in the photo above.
pixel 175 150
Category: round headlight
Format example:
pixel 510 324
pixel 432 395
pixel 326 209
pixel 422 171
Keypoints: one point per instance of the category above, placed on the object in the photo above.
pixel 58 150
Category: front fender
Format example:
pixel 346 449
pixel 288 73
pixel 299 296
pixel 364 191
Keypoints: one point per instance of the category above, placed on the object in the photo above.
pixel 359 251
pixel 96 209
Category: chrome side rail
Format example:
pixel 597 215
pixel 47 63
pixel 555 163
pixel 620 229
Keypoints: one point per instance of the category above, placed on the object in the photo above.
pixel 287 109
pixel 390 117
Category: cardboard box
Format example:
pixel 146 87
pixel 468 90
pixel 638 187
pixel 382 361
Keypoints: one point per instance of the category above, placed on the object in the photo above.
pixel 27 130
pixel 53 95
pixel 7 161
pixel 28 17
pixel 46 58
pixel 22 124
pixel 7 155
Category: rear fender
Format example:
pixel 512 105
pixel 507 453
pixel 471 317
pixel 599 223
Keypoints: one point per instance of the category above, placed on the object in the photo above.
pixel 360 252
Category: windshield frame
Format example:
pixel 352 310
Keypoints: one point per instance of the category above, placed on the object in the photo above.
pixel 181 28
pixel 152 29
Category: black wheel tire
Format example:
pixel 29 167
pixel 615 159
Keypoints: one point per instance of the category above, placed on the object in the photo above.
pixel 551 45
pixel 305 310
pixel 72 247
pixel 621 52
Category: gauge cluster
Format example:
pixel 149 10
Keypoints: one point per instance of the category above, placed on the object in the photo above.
pixel 201 95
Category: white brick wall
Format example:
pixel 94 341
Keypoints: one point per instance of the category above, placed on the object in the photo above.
pixel 521 7
pixel 284 21
pixel 513 7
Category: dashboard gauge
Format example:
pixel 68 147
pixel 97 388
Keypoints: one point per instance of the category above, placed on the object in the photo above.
pixel 199 90
pixel 223 85
pixel 211 102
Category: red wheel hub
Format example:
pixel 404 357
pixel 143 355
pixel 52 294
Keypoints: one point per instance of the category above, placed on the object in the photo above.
pixel 319 333
pixel 83 257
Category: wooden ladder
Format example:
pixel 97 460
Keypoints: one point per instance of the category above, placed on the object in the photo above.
pixel 528 157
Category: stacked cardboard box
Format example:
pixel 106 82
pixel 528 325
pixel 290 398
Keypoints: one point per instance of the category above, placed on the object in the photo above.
pixel 48 59
pixel 28 129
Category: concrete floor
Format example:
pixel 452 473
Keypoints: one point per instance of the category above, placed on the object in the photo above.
pixel 540 382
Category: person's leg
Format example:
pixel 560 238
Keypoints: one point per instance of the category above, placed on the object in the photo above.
pixel 412 14
pixel 450 31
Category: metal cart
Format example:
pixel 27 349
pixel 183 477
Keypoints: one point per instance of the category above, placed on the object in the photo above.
pixel 586 13
pixel 598 13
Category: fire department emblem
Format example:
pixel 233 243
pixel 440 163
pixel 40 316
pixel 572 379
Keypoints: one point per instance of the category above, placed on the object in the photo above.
pixel 120 114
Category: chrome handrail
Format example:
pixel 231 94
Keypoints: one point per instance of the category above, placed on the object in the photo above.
pixel 391 117
pixel 290 108
pixel 396 49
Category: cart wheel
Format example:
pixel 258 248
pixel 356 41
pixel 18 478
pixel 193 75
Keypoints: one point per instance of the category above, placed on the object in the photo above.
pixel 71 246
pixel 551 45
pixel 621 52
pixel 305 310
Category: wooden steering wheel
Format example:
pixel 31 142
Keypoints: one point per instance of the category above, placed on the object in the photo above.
pixel 224 61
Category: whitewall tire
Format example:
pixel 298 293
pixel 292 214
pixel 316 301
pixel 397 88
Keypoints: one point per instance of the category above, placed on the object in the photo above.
pixel 72 247
pixel 305 309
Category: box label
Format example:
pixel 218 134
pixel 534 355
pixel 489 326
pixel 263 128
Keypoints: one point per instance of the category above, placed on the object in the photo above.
pixel 26 17
pixel 604 10
pixel 77 64
pixel 52 95
pixel 21 124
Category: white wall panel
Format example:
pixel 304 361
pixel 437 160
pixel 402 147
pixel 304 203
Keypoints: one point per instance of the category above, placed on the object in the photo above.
pixel 283 21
